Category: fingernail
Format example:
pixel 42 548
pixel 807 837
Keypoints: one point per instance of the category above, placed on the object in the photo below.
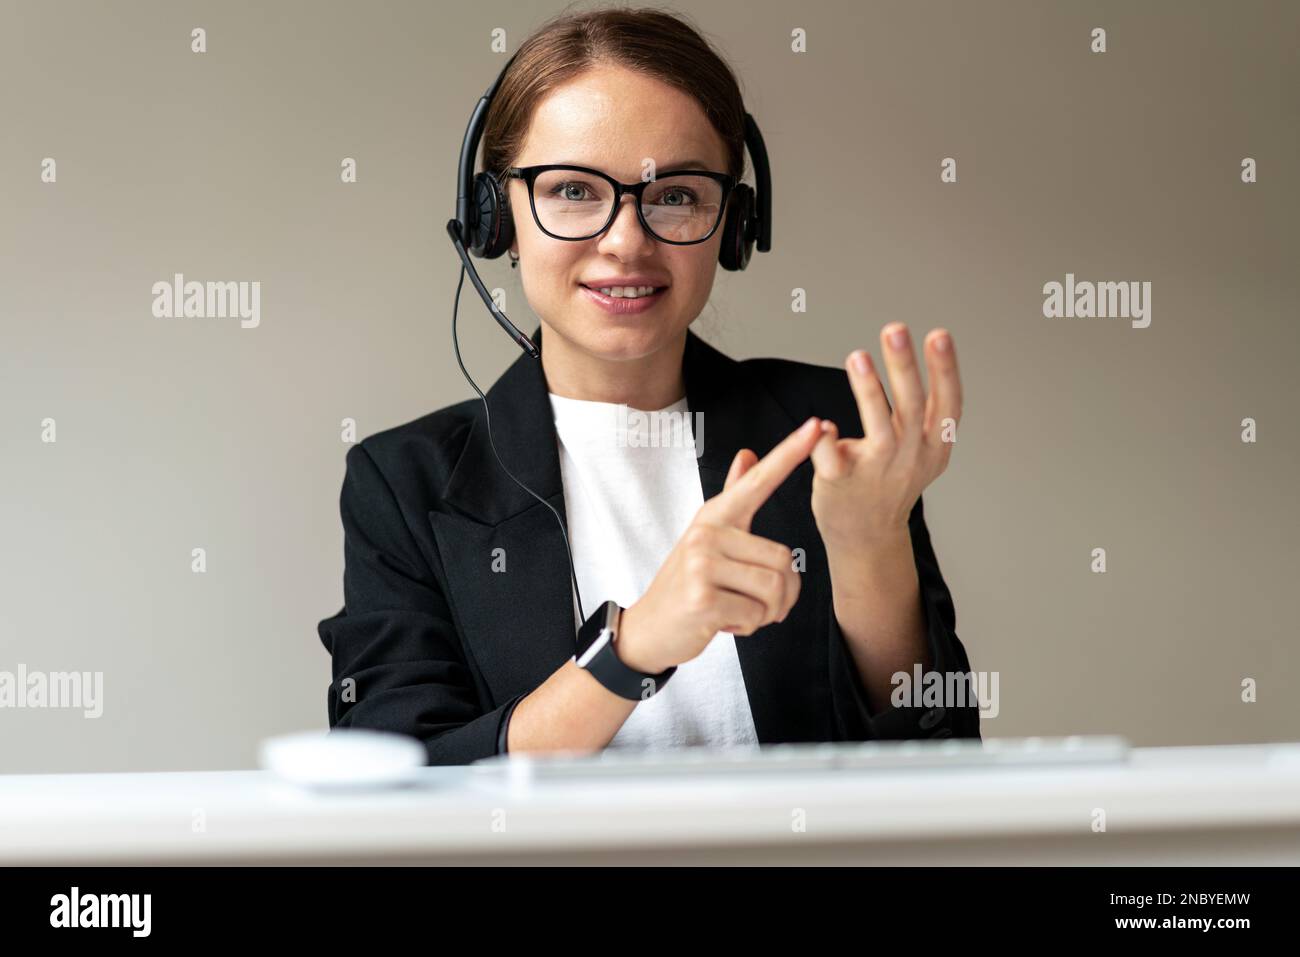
pixel 809 425
pixel 827 425
pixel 859 360
pixel 898 338
pixel 942 342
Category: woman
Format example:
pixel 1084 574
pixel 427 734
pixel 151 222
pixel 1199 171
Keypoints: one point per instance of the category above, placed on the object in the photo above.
pixel 728 601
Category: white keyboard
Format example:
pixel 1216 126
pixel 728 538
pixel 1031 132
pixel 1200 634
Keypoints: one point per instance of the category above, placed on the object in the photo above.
pixel 783 758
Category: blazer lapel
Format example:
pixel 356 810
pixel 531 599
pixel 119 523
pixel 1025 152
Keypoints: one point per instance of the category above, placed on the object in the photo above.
pixel 507 568
pixel 503 554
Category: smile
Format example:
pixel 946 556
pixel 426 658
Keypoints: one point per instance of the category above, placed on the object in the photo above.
pixel 626 292
pixel 624 300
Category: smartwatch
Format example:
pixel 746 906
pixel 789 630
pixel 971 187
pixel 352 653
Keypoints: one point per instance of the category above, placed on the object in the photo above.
pixel 597 643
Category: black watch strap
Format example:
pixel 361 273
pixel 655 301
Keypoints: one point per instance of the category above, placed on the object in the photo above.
pixel 597 654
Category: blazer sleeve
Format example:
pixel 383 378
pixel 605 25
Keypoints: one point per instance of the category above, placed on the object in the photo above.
pixel 398 663
pixel 957 717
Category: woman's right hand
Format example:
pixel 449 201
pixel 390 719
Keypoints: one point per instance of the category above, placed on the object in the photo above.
pixel 719 576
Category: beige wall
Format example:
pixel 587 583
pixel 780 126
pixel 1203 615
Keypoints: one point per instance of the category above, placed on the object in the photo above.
pixel 1077 433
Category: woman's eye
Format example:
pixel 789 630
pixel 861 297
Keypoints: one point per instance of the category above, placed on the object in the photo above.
pixel 570 191
pixel 677 197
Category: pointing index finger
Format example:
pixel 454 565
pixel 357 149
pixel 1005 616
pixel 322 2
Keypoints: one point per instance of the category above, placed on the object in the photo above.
pixel 743 499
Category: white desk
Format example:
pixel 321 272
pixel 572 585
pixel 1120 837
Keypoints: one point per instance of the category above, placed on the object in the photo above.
pixel 1204 805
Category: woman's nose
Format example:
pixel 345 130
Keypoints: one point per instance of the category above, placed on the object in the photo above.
pixel 625 234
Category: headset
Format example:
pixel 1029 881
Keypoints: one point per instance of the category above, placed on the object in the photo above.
pixel 484 225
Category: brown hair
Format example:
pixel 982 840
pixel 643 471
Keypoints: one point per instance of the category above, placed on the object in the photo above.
pixel 654 42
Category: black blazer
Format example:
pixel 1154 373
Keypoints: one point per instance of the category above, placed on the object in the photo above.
pixel 432 642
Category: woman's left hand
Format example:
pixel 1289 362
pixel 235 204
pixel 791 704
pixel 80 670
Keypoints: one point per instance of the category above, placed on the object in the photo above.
pixel 864 489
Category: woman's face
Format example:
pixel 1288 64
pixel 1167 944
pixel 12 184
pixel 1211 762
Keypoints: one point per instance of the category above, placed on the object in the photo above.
pixel 614 120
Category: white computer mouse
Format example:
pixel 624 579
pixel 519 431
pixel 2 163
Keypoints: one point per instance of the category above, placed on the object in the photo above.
pixel 344 758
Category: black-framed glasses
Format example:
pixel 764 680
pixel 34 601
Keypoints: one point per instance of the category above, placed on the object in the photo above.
pixel 573 203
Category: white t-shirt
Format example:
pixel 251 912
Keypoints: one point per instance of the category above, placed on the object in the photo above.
pixel 628 501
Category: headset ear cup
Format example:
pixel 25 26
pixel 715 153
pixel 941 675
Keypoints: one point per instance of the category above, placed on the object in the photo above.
pixel 506 228
pixel 493 230
pixel 739 231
